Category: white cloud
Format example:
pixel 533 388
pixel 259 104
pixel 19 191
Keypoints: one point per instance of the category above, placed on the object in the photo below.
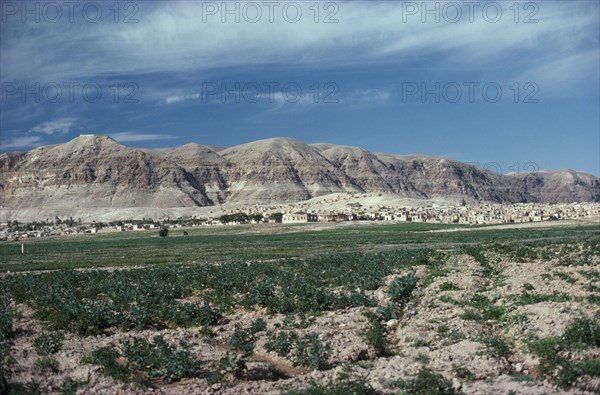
pixel 172 37
pixel 555 77
pixel 180 98
pixel 367 96
pixel 22 142
pixel 130 136
pixel 57 126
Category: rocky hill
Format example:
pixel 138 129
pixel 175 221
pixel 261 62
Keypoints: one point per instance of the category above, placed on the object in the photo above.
pixel 95 171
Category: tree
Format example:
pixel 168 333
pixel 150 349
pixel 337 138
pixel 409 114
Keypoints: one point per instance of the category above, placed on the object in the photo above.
pixel 163 232
pixel 277 217
pixel 256 217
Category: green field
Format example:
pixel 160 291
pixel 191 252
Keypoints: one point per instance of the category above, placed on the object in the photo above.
pixel 251 242
pixel 258 308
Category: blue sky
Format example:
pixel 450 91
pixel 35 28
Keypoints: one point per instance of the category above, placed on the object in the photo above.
pixel 500 84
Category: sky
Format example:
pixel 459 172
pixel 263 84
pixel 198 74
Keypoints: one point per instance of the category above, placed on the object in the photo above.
pixel 508 86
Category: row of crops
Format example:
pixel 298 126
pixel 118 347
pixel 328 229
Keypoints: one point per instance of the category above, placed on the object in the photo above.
pixel 89 302
pixel 119 249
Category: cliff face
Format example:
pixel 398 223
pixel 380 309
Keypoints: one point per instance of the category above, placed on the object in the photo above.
pixel 96 171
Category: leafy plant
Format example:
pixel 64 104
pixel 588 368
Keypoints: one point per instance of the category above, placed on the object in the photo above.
pixel 427 382
pixel 257 325
pixel 48 344
pixel 375 335
pixel 70 387
pixel 241 340
pixel 345 384
pixel 462 373
pixel 232 363
pixel 449 286
pixel 47 363
pixel 452 335
pixel 281 342
pixel 388 312
pixel 311 352
pixel 138 360
pixel 6 317
pixel 496 346
pixel 580 334
pixel 241 348
pixel 528 298
pixel 401 288
pixel 423 359
pixel 6 363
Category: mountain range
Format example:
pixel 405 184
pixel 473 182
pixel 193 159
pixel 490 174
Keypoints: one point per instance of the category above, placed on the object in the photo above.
pixel 95 171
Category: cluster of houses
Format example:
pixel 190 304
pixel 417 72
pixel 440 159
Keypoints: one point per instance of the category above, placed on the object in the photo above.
pixel 299 213
pixel 15 233
pixel 454 214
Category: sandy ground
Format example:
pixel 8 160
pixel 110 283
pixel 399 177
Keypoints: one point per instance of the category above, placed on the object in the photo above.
pixel 330 202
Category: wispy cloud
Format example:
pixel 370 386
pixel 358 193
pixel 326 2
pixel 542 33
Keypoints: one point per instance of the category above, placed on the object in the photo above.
pixel 57 126
pixel 368 96
pixel 180 98
pixel 131 136
pixel 21 142
pixel 366 31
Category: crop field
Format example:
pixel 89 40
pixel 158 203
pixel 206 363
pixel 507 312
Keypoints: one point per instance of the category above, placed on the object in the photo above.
pixel 379 309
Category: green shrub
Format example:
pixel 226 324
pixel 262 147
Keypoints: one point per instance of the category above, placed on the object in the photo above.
pixel 427 382
pixel 582 333
pixel 47 363
pixel 107 358
pixel 48 344
pixel 6 363
pixel 241 348
pixel 70 387
pixel 462 373
pixel 388 312
pixel 487 309
pixel 401 288
pixel 257 325
pixel 281 342
pixel 449 286
pixel 527 298
pixel 451 335
pixel 545 348
pixel 139 360
pixel 242 341
pixel 311 352
pixel 449 300
pixel 6 317
pixel 375 335
pixel 231 364
pixel 496 346
pixel 344 385
pixel 472 315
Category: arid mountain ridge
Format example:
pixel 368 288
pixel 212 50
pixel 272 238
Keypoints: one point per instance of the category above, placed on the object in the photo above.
pixel 95 171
